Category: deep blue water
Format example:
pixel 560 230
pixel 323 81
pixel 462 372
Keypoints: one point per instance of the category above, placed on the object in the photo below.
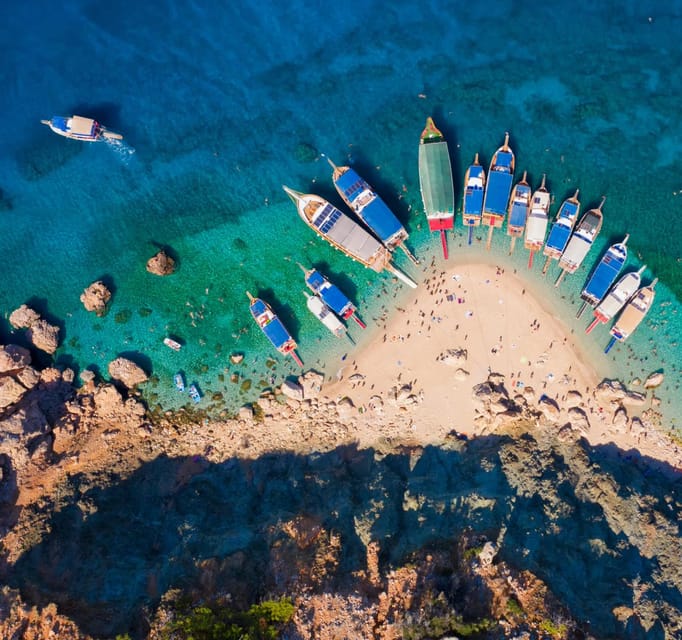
pixel 222 104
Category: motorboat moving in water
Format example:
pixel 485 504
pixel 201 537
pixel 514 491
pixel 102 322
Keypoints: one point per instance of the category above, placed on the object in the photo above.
pixel 273 328
pixel 561 229
pixel 632 315
pixel 370 208
pixel 519 208
pixel 604 275
pixel 80 128
pixel 474 189
pixel 498 188
pixel 344 234
pixel 435 181
pixel 536 227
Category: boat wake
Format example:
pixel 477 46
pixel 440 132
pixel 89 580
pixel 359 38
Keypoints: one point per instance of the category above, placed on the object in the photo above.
pixel 123 151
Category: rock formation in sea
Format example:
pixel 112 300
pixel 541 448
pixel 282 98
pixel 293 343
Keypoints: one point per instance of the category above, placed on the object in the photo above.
pixel 127 372
pixel 96 297
pixel 116 515
pixel 161 264
pixel 40 332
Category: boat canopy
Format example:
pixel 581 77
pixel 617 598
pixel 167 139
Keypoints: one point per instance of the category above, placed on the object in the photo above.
pixel 603 277
pixel 499 187
pixel 330 294
pixel 473 197
pixel 378 217
pixel 435 177
pixel 558 237
pixel 276 333
pixel 82 126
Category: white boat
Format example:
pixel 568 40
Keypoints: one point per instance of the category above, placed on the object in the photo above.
pixel 616 298
pixel 536 226
pixel 632 315
pixel 80 128
pixel 325 315
pixel 172 344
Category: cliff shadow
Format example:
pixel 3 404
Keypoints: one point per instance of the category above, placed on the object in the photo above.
pixel 186 523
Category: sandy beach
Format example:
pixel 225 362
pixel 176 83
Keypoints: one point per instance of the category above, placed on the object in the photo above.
pixel 465 323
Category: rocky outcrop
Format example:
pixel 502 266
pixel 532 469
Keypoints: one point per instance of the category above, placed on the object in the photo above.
pixel 13 358
pixel 41 333
pixel 453 357
pixel 654 380
pixel 127 372
pixel 161 264
pixel 311 383
pixel 292 390
pixel 96 297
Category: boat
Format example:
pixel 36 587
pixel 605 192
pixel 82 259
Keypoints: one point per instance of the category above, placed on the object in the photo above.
pixel 344 234
pixel 370 208
pixel 616 298
pixel 561 230
pixel 519 208
pixel 498 188
pixel 179 381
pixel 172 344
pixel 632 315
pixel 604 275
pixel 331 295
pixel 580 242
pixel 273 328
pixel 194 393
pixel 474 188
pixel 435 182
pixel 325 315
pixel 80 128
pixel 536 227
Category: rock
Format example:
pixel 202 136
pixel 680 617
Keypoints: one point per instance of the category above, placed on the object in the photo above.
pixel 487 554
pixel 10 391
pixel 654 380
pixel 126 372
pixel 28 377
pixel 13 358
pixel 566 433
pixel 482 392
pixel 453 357
pixel 246 413
pixel 23 317
pixel 356 377
pixel 403 393
pixel 376 404
pixel 634 399
pixel 620 420
pixel 87 376
pixel 96 297
pixel 610 391
pixel 496 380
pixel 461 375
pixel 578 419
pixel 68 375
pixel 236 358
pixel 311 382
pixel 574 398
pixel 550 409
pixel 529 393
pixel 161 264
pixel 345 407
pixel 292 390
pixel 44 336
pixel 635 382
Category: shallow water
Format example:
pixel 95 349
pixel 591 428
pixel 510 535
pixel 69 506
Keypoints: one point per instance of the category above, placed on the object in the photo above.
pixel 222 105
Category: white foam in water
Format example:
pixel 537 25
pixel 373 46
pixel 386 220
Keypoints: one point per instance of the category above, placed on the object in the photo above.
pixel 123 150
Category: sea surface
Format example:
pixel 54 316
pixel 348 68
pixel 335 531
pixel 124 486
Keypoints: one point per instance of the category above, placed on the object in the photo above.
pixel 222 103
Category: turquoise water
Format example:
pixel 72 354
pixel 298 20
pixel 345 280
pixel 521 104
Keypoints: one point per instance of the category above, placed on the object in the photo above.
pixel 221 105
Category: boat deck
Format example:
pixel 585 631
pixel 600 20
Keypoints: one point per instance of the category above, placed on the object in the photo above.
pixel 603 277
pixel 435 178
pixel 497 193
pixel 330 294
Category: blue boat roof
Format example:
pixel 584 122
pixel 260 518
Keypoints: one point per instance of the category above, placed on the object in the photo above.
pixel 378 217
pixel 473 201
pixel 331 295
pixel 558 237
pixel 603 277
pixel 497 192
pixel 274 330
pixel 504 159
pixel 60 122
pixel 518 215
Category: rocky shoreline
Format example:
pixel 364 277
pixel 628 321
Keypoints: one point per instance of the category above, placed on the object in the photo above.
pixel 60 443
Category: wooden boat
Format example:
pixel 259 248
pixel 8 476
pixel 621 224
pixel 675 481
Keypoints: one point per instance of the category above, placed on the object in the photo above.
pixel 325 315
pixel 498 188
pixel 331 295
pixel 519 208
pixel 561 230
pixel 604 275
pixel 536 227
pixel 344 234
pixel 80 128
pixel 474 190
pixel 435 181
pixel 616 298
pixel 179 381
pixel 273 328
pixel 172 344
pixel 580 242
pixel 632 314
pixel 370 208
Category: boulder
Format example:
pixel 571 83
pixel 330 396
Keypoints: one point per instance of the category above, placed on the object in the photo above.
pixel 311 382
pixel 87 376
pixel 96 297
pixel 29 377
pixel 620 420
pixel 292 390
pixel 376 404
pixel 356 377
pixel 236 358
pixel 161 264
pixel 108 400
pixel 13 358
pixel 246 413
pixel 487 554
pixel 127 372
pixel 44 336
pixel 403 393
pixel 634 399
pixel 654 380
pixel 345 407
pixel 550 409
pixel 578 419
pixel 10 391
pixel 574 398
pixel 461 375
pixel 610 391
pixel 453 357
pixel 23 317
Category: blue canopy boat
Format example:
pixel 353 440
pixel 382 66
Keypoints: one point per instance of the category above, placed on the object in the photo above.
pixel 561 230
pixel 331 295
pixel 616 298
pixel 273 328
pixel 519 208
pixel 370 208
pixel 498 188
pixel 474 190
pixel 604 275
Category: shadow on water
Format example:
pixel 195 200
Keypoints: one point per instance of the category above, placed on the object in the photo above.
pixel 107 114
pixel 112 551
